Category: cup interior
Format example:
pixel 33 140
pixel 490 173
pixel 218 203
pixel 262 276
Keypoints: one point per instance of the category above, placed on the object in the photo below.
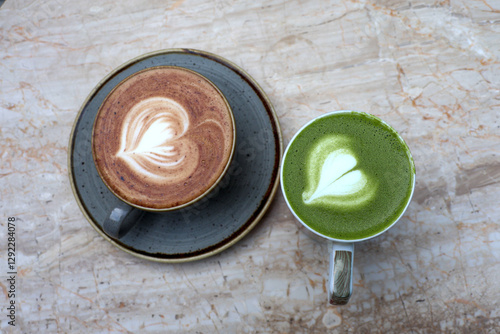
pixel 220 176
pixel 313 231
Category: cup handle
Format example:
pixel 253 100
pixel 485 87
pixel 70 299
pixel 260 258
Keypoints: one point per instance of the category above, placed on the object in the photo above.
pixel 340 272
pixel 121 220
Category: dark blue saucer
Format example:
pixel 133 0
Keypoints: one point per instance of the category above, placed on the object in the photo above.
pixel 229 212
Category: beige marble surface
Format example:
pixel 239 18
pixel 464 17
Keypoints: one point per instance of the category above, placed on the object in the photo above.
pixel 429 68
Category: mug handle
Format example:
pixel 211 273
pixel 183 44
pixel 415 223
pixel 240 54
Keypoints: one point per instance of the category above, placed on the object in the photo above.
pixel 340 272
pixel 121 220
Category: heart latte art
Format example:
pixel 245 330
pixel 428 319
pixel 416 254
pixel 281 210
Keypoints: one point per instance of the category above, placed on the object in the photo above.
pixel 334 177
pixel 347 175
pixel 153 142
pixel 162 138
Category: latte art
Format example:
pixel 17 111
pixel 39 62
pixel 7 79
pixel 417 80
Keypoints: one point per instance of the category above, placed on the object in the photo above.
pixel 347 175
pixel 153 143
pixel 163 138
pixel 333 176
pixel 338 179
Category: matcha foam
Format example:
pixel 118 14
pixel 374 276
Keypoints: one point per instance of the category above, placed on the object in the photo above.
pixel 333 179
pixel 348 175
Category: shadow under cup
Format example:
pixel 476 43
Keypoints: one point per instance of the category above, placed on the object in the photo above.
pixel 346 176
pixel 162 139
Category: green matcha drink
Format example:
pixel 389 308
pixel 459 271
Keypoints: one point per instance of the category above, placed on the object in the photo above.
pixel 348 175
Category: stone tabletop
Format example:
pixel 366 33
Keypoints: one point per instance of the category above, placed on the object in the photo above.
pixel 428 68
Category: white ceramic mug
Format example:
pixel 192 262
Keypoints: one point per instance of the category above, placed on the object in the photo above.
pixel 341 252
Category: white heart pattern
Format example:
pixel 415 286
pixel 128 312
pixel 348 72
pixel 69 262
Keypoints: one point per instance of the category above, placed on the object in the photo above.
pixel 338 182
pixel 152 140
pixel 337 177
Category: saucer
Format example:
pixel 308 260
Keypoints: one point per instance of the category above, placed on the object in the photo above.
pixel 231 210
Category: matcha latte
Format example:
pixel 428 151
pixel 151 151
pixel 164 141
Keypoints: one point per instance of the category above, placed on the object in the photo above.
pixel 348 175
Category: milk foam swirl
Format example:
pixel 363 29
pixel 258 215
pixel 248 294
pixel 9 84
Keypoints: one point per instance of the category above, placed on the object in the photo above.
pixel 153 143
pixel 333 176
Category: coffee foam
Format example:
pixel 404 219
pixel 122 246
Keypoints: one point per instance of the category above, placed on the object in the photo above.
pixel 162 138
pixel 334 177
pixel 153 143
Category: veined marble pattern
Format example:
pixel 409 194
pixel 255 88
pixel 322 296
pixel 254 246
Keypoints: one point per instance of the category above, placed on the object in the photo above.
pixel 428 68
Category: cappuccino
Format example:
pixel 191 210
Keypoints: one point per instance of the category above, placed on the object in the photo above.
pixel 163 138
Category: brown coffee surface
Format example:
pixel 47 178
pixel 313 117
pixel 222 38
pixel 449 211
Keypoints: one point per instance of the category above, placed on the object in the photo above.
pixel 162 137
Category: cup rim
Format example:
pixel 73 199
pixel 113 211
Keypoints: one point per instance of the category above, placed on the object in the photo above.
pixel 216 182
pixel 410 157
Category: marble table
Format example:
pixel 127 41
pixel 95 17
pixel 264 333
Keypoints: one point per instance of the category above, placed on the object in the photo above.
pixel 429 68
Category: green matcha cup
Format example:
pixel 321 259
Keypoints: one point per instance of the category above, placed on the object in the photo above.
pixel 341 251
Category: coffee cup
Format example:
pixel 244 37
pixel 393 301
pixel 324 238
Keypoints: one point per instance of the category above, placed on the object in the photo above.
pixel 346 176
pixel 162 140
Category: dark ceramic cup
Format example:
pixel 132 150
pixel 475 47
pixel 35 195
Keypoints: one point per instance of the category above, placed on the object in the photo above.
pixel 162 140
